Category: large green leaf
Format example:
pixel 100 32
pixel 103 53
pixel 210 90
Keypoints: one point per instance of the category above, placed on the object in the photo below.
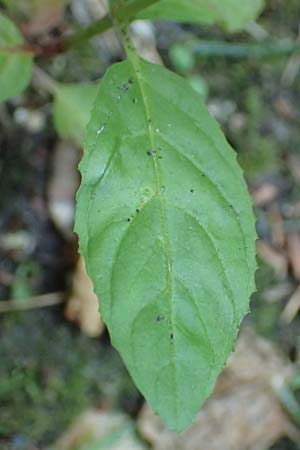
pixel 232 14
pixel 72 108
pixel 15 66
pixel 167 231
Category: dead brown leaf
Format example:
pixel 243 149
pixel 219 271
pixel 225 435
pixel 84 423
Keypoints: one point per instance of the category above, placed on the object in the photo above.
pixel 293 163
pixel 277 226
pixel 293 249
pixel 83 305
pixel 93 428
pixel 283 107
pixel 242 414
pixel 277 260
pixel 62 187
pixel 264 194
pixel 42 15
pixel 292 307
pixel 278 292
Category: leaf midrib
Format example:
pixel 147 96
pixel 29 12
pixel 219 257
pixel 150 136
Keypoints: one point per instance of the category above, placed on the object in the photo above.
pixel 137 70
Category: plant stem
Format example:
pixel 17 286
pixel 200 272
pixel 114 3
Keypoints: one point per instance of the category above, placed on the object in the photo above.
pixel 270 48
pixel 127 11
pixel 287 398
pixel 43 80
pixel 84 34
pixel 122 30
pixel 40 301
pixel 121 11
pixel 23 49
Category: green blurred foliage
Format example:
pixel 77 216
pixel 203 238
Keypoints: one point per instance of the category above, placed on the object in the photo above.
pixel 49 373
pixel 72 109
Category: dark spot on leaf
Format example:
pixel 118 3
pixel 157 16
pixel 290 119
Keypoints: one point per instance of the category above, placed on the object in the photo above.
pixel 128 220
pixel 171 336
pixel 124 87
pixel 151 153
pixel 137 210
pixel 134 100
pixel 160 318
pixel 192 191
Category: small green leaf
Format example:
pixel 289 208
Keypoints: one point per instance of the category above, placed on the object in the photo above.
pixel 167 232
pixel 15 66
pixel 231 14
pixel 72 109
pixel 182 58
pixel 200 85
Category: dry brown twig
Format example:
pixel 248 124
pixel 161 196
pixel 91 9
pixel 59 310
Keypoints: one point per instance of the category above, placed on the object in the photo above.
pixel 39 301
